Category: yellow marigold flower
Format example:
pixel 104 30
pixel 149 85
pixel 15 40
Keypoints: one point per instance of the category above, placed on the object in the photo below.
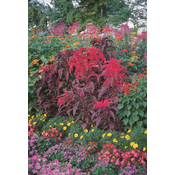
pixel 64 128
pixel 68 124
pixel 40 118
pixel 122 134
pixel 115 140
pixel 45 115
pixel 135 145
pixel 122 137
pixel 91 125
pixel 86 131
pixel 93 130
pixel 28 115
pixel 109 134
pixel 30 120
pixel 33 116
pixel 50 126
pixel 75 135
pixel 44 120
pixel 127 137
pixel 61 124
pixel 126 146
pixel 132 143
pixel 81 137
pixel 103 135
pixel 76 43
pixel 54 123
pixel 145 132
pixel 129 131
pixel 144 149
pixel 72 121
pixel 34 123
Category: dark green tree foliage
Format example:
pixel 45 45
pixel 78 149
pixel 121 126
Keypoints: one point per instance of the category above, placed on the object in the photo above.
pixel 63 11
pixel 36 15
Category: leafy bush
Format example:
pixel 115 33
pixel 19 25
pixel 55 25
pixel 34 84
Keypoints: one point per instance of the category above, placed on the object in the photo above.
pixel 133 104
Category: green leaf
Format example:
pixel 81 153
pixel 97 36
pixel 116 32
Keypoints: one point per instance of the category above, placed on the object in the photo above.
pixel 35 135
pixel 125 121
pixel 135 118
pixel 129 107
pixel 137 105
pixel 140 123
pixel 120 106
pixel 127 113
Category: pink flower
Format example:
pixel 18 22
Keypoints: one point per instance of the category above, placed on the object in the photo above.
pixel 34 158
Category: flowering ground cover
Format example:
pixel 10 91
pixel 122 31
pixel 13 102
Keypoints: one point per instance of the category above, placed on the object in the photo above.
pixel 87 101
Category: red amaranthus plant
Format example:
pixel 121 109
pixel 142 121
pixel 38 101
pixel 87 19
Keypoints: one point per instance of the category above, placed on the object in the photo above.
pixel 54 78
pixel 94 93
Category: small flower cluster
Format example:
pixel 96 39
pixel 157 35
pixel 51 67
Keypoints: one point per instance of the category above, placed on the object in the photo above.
pixel 128 170
pixel 53 133
pixel 108 31
pixel 59 30
pixel 31 129
pixel 142 36
pixel 73 29
pixel 91 147
pixel 110 153
pixel 128 86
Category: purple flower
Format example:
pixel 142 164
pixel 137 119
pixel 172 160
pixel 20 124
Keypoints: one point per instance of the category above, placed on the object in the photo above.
pixel 34 171
pixel 38 166
pixel 30 166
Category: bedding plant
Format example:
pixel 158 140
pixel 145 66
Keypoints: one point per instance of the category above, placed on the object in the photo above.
pixel 87 101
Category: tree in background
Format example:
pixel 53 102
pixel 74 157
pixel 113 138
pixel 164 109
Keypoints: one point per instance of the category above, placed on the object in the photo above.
pixel 138 10
pixel 37 15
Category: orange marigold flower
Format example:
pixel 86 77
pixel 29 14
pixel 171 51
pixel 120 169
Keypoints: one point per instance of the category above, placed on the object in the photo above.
pixel 35 61
pixel 90 36
pixel 33 36
pixel 85 43
pixel 118 37
pixel 62 38
pixel 96 36
pixel 80 35
pixel 76 43
pixel 64 50
pixel 136 57
pixel 72 31
pixel 48 37
pixel 124 50
pixel 104 30
pixel 68 45
pixel 52 59
pixel 41 65
pixel 116 43
pixel 34 28
pixel 40 71
pixel 131 64
pixel 68 36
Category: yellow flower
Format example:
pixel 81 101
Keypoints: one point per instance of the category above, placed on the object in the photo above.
pixel 34 123
pixel 109 134
pixel 115 140
pixel 81 137
pixel 91 125
pixel 86 131
pixel 40 118
pixel 126 146
pixel 145 132
pixel 55 123
pixel 45 115
pixel 72 121
pixel 135 145
pixel 93 130
pixel 30 120
pixel 50 126
pixel 132 143
pixel 68 124
pixel 33 116
pixel 129 131
pixel 28 115
pixel 75 135
pixel 64 128
pixel 144 149
pixel 61 124
pixel 44 120
pixel 127 137
pixel 103 135
pixel 122 134
pixel 122 137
